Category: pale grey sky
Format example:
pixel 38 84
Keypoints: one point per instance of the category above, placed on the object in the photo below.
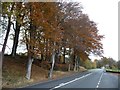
pixel 105 14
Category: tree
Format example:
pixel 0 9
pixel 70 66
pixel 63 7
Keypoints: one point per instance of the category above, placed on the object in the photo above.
pixel 83 37
pixel 88 64
pixel 50 28
pixel 44 26
pixel 18 16
pixel 6 14
pixel 70 12
pixel 107 62
pixel 94 65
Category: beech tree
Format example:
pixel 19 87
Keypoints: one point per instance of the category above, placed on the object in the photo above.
pixel 78 32
pixel 41 27
pixel 50 28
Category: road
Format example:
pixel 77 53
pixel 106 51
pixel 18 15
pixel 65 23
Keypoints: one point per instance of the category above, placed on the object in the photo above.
pixel 95 78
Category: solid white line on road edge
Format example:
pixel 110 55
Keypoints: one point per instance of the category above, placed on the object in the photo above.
pixel 99 81
pixel 63 84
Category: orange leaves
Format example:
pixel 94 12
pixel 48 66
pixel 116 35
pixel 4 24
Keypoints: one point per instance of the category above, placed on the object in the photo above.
pixel 64 24
pixel 85 37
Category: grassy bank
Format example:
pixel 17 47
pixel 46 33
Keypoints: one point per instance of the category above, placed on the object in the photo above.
pixel 14 70
pixel 113 70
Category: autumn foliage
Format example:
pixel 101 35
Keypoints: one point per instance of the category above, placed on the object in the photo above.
pixel 52 27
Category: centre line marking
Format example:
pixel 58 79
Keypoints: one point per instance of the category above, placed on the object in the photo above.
pixel 99 81
pixel 63 84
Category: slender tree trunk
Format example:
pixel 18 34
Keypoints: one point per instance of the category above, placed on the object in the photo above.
pixel 1 62
pixel 16 38
pixel 17 30
pixel 30 47
pixel 75 64
pixel 7 34
pixel 69 67
pixel 8 30
pixel 29 67
pixel 75 67
pixel 30 60
pixel 1 55
pixel 30 55
pixel 64 56
pixel 53 63
pixel 47 49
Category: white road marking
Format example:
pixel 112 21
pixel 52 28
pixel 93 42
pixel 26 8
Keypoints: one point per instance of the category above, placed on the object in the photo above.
pixel 97 86
pixel 99 81
pixel 63 84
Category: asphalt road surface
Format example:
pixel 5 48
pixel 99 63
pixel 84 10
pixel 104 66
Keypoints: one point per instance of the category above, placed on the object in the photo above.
pixel 95 78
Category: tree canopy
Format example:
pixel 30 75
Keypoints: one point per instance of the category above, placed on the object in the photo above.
pixel 49 27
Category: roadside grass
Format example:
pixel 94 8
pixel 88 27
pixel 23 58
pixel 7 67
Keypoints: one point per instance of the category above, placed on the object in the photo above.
pixel 113 70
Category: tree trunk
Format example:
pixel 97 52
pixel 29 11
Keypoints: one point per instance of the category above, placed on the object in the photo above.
pixel 17 30
pixel 1 61
pixel 16 38
pixel 30 59
pixel 64 55
pixel 53 63
pixel 69 67
pixel 30 47
pixel 7 34
pixel 75 67
pixel 75 64
pixel 29 67
pixel 8 30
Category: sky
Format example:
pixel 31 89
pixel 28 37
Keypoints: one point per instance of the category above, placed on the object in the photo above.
pixel 105 14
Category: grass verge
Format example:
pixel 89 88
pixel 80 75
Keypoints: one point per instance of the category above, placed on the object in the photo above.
pixel 14 70
pixel 113 70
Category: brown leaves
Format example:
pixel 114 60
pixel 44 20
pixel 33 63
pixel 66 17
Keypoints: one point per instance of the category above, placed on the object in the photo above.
pixel 85 38
pixel 61 23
